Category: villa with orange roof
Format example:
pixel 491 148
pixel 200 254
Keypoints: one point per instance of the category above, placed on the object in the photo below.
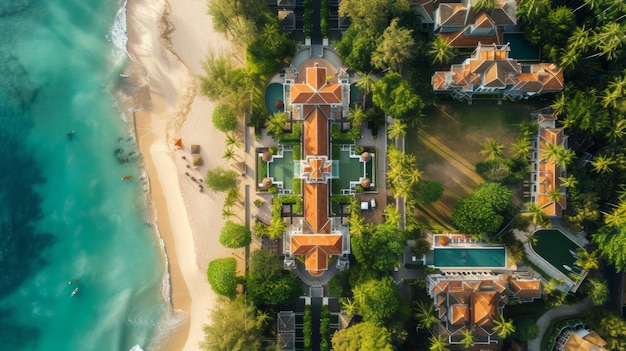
pixel 490 70
pixel 546 173
pixel 474 300
pixel 316 100
pixel 463 26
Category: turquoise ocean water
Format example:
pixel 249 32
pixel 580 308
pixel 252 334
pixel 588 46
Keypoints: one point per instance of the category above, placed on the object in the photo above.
pixel 65 213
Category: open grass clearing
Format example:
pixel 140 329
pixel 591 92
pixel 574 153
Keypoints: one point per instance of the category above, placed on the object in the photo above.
pixel 448 147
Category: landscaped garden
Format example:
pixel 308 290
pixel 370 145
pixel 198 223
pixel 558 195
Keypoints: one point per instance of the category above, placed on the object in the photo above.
pixel 448 146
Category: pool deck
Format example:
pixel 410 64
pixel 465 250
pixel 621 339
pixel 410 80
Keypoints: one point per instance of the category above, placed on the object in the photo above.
pixel 545 265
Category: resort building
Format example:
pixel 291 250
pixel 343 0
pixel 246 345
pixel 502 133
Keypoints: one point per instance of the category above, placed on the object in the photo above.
pixel 547 190
pixel 474 300
pixel 490 70
pixel 463 24
pixel 579 338
pixel 314 100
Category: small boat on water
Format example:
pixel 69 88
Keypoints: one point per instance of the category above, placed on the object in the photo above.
pixel 127 177
pixel 72 281
pixel 573 254
pixel 567 267
pixel 74 292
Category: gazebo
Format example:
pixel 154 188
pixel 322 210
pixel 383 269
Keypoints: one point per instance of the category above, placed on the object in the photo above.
pixel 195 148
pixel 366 183
pixel 267 183
pixel 365 156
pixel 197 161
pixel 178 143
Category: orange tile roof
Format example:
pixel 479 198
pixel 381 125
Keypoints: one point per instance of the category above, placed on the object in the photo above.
pixel 549 174
pixel 459 314
pixel 483 308
pixel 525 288
pixel 316 248
pixel 315 90
pixel 315 133
pixel 315 198
pixel 460 40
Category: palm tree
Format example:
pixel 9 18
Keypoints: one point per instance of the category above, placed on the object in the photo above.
pixel 441 51
pixel 262 318
pixel 493 149
pixel 536 213
pixel 392 215
pixel 560 104
pixel 569 182
pixel 569 58
pixel 348 306
pixel 503 327
pixel 484 5
pixel 227 213
pixel 356 116
pixel 365 84
pixel 468 338
pixel 555 195
pixel 425 313
pixel 579 40
pixel 276 124
pixel 521 148
pixel 613 219
pixel 397 129
pixel 552 285
pixel 602 164
pixel 587 260
pixel 271 35
pixel 610 39
pixel 229 154
pixel 438 343
pixel 232 140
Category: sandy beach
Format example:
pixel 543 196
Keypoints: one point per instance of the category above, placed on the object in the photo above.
pixel 169 40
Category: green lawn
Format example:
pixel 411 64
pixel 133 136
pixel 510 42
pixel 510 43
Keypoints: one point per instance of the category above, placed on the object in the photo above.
pixel 447 148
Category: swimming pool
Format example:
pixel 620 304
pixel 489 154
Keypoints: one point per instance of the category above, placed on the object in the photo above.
pixel 485 257
pixel 556 248
pixel 273 93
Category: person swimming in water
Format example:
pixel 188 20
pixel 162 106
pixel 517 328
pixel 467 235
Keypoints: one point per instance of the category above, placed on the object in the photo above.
pixel 70 134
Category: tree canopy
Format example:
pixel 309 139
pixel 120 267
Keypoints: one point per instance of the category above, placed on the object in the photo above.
pixel 362 336
pixel 222 275
pixel 220 179
pixel 395 48
pixel 379 302
pixel 481 214
pixel 235 235
pixel 224 118
pixel 233 327
pixel 394 96
pixel 268 283
pixel 377 248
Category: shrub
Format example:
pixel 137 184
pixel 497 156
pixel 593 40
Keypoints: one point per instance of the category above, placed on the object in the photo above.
pixel 325 329
pixel 297 152
pixel 273 150
pixel 222 275
pixel 307 328
pixel 235 235
pixel 219 179
pixel 224 118
pixel 297 186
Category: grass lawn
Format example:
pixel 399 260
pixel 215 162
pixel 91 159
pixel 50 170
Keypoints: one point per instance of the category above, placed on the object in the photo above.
pixel 447 148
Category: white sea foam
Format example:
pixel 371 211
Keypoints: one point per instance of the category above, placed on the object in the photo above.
pixel 136 348
pixel 119 35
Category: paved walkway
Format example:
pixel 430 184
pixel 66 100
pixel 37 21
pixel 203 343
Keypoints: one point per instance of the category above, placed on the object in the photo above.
pixel 544 321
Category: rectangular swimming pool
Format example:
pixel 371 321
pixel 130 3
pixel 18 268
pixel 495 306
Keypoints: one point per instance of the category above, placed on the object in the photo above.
pixel 485 257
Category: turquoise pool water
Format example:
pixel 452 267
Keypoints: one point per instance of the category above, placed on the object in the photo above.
pixel 555 248
pixel 273 92
pixel 487 257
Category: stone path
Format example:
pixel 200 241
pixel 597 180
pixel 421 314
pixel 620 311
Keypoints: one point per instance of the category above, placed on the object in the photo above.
pixel 544 321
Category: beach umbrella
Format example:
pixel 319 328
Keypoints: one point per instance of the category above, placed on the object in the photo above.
pixel 366 182
pixel 267 157
pixel 197 161
pixel 365 156
pixel 279 104
pixel 443 240
pixel 195 148
pixel 267 183
pixel 178 142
